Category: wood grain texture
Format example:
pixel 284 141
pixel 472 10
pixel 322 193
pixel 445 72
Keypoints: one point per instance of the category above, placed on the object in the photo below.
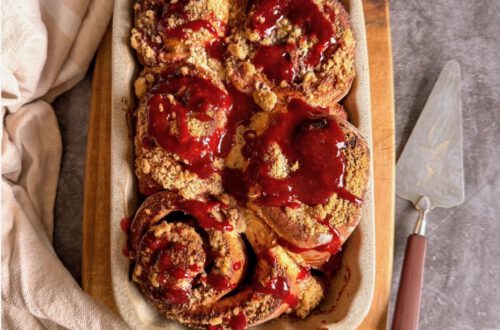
pixel 378 34
pixel 96 265
pixel 96 277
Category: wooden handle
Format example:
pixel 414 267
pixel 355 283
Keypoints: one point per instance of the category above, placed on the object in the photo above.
pixel 408 300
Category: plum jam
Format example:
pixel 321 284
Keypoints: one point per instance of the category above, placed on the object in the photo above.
pixel 238 321
pixel 316 26
pixel 202 213
pixel 196 99
pixel 313 143
pixel 276 62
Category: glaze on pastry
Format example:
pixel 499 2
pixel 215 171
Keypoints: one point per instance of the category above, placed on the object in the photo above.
pixel 294 48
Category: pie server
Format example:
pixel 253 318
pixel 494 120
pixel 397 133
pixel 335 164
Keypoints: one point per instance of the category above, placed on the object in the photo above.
pixel 429 174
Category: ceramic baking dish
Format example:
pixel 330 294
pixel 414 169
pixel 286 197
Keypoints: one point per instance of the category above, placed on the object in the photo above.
pixel 351 291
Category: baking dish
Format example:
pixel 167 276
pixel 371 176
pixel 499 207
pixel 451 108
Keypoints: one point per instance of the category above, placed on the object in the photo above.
pixel 351 291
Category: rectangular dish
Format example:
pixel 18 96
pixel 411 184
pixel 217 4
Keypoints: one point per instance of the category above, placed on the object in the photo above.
pixel 351 291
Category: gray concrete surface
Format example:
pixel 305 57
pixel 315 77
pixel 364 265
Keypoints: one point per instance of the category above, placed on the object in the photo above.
pixel 72 111
pixel 462 281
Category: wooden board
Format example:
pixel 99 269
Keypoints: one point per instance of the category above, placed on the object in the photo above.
pixel 96 259
pixel 96 277
pixel 378 34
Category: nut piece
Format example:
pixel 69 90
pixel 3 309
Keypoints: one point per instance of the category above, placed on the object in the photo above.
pixel 145 167
pixel 265 98
pixel 240 50
pixel 141 87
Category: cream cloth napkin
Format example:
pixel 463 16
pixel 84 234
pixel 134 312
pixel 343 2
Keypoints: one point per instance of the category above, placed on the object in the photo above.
pixel 47 46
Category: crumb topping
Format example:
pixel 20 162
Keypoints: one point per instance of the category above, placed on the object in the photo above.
pixel 265 98
pixel 278 162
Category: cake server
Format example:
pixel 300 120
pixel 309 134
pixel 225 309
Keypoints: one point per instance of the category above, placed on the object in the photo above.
pixel 429 174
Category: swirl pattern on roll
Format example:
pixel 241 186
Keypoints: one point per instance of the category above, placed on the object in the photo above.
pixel 189 254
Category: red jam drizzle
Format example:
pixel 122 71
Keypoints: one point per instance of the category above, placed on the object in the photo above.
pixel 155 243
pixel 125 225
pixel 195 97
pixel 201 212
pixel 279 288
pixel 214 327
pixel 334 246
pixel 242 110
pixel 166 266
pixel 234 184
pixel 303 274
pixel 167 271
pixel 126 252
pixel 237 266
pixel 165 262
pixel 219 282
pixel 302 13
pixel 194 268
pixel 266 14
pixel 314 142
pixel 307 15
pixel 176 296
pixel 243 107
pixel 148 143
pixel 216 49
pixel 238 322
pixel 276 62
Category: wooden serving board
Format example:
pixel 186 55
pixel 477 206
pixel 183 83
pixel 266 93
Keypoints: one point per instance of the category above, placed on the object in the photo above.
pixel 96 276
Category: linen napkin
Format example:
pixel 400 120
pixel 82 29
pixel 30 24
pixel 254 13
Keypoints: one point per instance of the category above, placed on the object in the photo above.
pixel 47 46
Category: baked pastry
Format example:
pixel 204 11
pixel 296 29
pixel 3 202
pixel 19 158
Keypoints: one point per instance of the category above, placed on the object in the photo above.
pixel 305 173
pixel 254 175
pixel 180 121
pixel 166 31
pixel 295 48
pixel 189 254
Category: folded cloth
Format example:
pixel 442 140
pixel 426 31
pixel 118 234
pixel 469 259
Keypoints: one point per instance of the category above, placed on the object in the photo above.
pixel 47 46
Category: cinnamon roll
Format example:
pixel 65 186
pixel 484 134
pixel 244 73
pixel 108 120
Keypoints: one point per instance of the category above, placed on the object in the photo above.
pixel 293 48
pixel 189 254
pixel 166 31
pixel 305 173
pixel 180 121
